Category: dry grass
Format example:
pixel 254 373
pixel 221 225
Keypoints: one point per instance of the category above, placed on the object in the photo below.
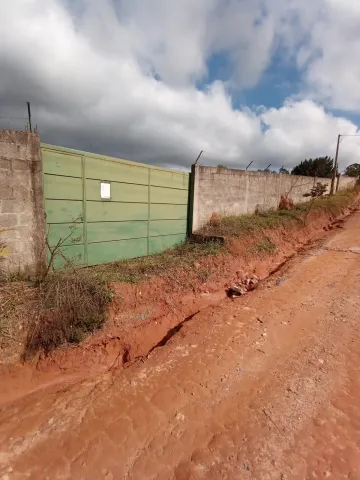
pixel 17 303
pixel 70 307
pixel 139 269
pixel 3 251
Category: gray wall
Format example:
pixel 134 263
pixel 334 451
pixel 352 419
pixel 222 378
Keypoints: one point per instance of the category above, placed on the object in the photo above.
pixel 238 192
pixel 21 202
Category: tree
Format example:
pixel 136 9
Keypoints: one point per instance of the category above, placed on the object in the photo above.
pixel 222 166
pixel 284 170
pixel 353 170
pixel 317 167
pixel 316 192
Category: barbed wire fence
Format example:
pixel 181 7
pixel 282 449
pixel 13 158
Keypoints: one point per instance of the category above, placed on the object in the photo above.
pixel 18 118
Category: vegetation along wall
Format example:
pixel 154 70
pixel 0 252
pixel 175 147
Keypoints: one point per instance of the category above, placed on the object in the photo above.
pixel 239 192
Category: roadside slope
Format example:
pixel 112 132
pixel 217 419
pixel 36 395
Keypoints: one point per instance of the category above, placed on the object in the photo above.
pixel 255 387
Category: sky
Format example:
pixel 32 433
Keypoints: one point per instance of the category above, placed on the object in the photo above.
pixel 157 81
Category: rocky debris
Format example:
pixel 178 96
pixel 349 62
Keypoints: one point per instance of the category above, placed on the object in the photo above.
pixel 241 287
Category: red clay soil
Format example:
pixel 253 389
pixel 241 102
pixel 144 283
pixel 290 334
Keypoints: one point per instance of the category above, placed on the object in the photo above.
pixel 148 311
pixel 263 387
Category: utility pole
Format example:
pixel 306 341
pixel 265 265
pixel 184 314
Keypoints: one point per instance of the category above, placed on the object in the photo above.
pixel 252 161
pixel 29 115
pixel 334 174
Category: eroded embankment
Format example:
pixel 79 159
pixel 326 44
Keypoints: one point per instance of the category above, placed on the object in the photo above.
pixel 144 316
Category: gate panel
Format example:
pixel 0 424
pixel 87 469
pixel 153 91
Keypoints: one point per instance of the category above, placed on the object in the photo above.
pixel 110 209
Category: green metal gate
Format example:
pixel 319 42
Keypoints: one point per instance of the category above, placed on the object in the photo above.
pixel 110 209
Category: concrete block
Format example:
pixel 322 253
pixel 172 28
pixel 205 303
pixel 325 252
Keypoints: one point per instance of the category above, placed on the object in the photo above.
pixel 8 220
pixel 21 165
pixel 25 219
pixel 5 164
pixel 6 193
pixel 11 206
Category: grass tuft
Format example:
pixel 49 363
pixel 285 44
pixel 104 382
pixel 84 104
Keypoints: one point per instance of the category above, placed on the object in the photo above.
pixel 265 247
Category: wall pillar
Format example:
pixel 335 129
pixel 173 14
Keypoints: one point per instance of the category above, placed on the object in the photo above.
pixel 22 216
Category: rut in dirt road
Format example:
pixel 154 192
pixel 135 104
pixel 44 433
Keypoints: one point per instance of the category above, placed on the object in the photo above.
pixel 266 386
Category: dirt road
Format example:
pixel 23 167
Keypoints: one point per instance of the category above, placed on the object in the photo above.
pixel 263 387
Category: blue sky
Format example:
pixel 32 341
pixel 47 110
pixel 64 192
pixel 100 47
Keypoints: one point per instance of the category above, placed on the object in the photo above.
pixel 279 81
pixel 262 80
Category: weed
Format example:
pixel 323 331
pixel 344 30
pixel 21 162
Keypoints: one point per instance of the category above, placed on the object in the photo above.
pixel 266 247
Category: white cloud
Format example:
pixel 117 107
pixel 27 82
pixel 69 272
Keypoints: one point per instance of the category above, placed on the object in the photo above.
pixel 304 129
pixel 333 75
pixel 87 68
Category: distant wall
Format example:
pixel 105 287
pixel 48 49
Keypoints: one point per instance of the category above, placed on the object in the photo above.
pixel 21 202
pixel 238 192
pixel 346 182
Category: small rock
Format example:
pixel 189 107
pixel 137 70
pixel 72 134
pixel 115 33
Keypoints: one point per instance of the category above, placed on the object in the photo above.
pixel 264 334
pixel 180 417
pixel 284 323
pixel 237 290
pixel 327 474
pixel 321 361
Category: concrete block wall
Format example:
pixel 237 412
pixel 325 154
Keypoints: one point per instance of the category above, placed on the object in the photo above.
pixel 239 192
pixel 22 213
